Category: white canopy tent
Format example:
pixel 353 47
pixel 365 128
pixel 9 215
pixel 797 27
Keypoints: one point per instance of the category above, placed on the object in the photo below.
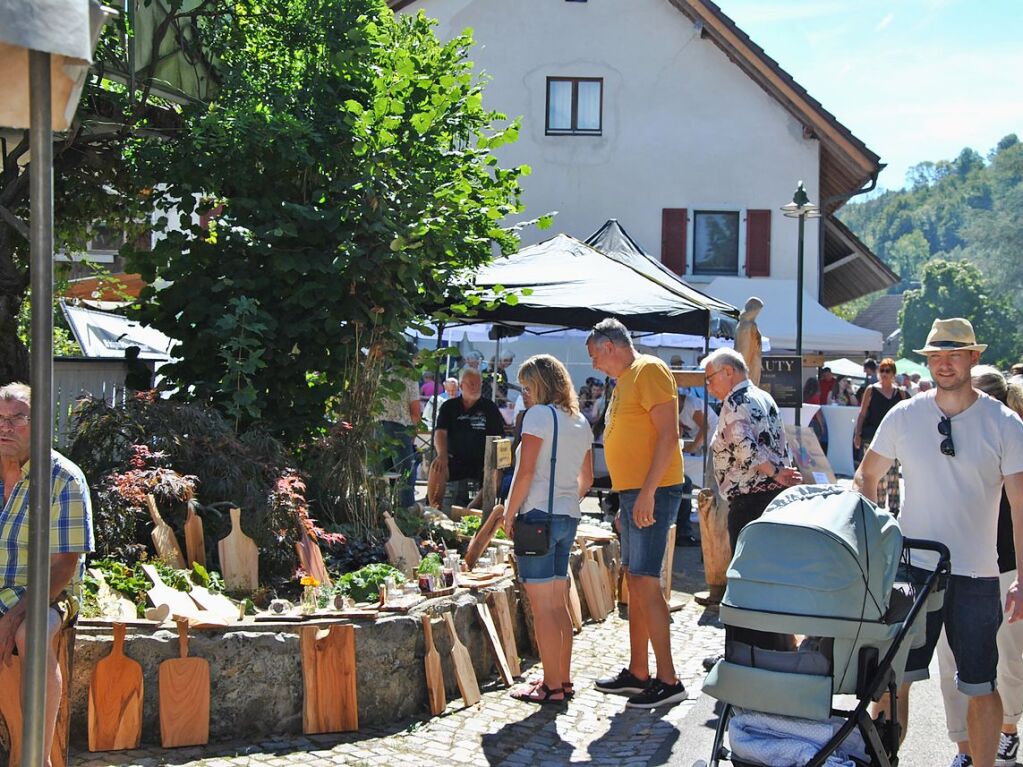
pixel 822 330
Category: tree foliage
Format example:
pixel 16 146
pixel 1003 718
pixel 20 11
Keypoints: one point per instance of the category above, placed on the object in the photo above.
pixel 959 289
pixel 347 161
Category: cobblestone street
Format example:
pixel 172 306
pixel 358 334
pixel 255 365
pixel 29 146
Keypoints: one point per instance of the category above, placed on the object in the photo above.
pixel 590 729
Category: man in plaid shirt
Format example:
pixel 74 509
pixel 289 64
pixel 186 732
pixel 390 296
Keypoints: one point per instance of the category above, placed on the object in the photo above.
pixel 70 538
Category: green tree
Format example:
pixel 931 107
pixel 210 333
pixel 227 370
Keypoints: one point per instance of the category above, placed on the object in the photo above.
pixel 348 158
pixel 958 289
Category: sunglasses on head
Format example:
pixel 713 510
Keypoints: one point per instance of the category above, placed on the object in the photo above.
pixel 948 447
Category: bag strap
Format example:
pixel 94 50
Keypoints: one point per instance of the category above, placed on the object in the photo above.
pixel 554 460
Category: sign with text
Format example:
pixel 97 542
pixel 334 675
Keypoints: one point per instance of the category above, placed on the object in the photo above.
pixel 782 378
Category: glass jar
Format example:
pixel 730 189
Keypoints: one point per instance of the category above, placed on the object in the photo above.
pixel 310 599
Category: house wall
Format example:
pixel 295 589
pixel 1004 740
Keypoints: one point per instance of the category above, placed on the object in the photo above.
pixel 683 127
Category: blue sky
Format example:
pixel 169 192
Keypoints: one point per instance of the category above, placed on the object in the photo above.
pixel 914 79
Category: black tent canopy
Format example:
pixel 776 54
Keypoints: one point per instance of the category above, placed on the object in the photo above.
pixel 576 285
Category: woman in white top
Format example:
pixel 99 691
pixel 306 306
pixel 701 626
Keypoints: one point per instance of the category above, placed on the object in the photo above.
pixel 545 577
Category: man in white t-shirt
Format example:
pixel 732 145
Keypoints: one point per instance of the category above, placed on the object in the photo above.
pixel 957 447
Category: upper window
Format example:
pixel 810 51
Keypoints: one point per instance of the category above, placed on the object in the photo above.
pixel 715 242
pixel 574 105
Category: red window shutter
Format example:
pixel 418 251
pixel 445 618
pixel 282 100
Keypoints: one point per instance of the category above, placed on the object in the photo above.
pixel 205 218
pixel 758 243
pixel 673 239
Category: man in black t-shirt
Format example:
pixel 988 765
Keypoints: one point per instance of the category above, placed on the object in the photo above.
pixel 463 425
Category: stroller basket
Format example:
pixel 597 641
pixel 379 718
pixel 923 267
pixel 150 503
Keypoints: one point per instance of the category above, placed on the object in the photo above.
pixel 820 563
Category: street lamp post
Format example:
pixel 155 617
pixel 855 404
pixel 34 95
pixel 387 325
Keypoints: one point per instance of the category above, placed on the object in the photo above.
pixel 800 208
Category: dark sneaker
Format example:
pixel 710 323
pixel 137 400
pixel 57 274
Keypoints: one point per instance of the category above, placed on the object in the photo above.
pixel 710 661
pixel 626 683
pixel 1008 748
pixel 659 694
pixel 962 760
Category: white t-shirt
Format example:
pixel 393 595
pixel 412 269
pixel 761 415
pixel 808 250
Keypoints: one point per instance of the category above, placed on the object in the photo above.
pixel 953 499
pixel 574 439
pixel 688 423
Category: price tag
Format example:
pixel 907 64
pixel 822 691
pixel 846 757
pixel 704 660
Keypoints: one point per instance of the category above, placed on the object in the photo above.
pixel 504 453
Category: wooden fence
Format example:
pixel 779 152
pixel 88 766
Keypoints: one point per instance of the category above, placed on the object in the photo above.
pixel 74 377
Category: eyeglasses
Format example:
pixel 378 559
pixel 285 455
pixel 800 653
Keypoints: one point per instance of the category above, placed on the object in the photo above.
pixel 715 373
pixel 14 421
pixel 948 447
pixel 886 370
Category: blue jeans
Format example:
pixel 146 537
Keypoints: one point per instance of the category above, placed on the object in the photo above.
pixel 553 565
pixel 643 547
pixel 399 456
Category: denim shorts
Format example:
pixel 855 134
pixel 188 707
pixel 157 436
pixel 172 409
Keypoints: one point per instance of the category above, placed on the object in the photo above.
pixel 971 615
pixel 552 566
pixel 643 547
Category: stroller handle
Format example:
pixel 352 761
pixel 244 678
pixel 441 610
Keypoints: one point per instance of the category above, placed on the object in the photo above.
pixel 944 555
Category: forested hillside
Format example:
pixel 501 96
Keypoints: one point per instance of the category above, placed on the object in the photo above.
pixel 967 210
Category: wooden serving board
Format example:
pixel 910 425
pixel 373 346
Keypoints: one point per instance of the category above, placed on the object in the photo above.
pixel 311 559
pixel 195 541
pixel 401 550
pixel 434 673
pixel 465 676
pixel 606 579
pixel 575 608
pixel 217 604
pixel 179 603
pixel 184 697
pixel 112 604
pixel 403 604
pixel 494 643
pixel 328 674
pixel 483 536
pixel 498 602
pixel 115 699
pixel 166 544
pixel 590 577
pixel 239 558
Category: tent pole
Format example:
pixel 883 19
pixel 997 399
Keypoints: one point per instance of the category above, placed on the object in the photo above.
pixel 493 373
pixel 33 686
pixel 707 436
pixel 436 385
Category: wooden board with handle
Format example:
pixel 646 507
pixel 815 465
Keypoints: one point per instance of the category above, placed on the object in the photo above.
pixel 215 603
pixel 494 643
pixel 184 697
pixel 401 550
pixel 606 586
pixel 239 558
pixel 328 672
pixel 195 541
pixel 484 535
pixel 112 604
pixel 434 673
pixel 501 613
pixel 575 609
pixel 589 577
pixel 178 603
pixel 311 558
pixel 465 676
pixel 667 564
pixel 115 699
pixel 166 544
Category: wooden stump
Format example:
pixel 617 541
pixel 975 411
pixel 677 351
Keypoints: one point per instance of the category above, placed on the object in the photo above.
pixel 717 550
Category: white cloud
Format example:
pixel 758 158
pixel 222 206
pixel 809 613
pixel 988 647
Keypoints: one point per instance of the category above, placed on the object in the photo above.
pixel 883 23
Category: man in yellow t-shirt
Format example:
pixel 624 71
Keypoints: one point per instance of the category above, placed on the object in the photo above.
pixel 645 462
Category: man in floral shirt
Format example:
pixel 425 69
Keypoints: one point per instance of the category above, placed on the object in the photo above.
pixel 750 453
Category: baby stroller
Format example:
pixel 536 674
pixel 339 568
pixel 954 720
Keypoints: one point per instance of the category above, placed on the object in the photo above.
pixel 822 563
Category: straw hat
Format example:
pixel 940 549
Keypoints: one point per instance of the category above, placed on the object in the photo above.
pixel 947 335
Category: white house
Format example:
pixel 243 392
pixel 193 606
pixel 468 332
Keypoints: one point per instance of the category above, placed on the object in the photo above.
pixel 664 115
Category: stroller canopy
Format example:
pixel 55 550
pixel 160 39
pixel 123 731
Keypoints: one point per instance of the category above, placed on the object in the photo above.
pixel 819 551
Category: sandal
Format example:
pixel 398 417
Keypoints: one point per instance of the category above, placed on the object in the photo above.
pixel 540 693
pixel 568 687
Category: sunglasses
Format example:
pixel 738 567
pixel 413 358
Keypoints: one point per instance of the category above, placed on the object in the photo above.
pixel 948 447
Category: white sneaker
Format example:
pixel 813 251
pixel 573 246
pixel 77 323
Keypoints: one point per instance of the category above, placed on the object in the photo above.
pixel 1008 748
pixel 962 760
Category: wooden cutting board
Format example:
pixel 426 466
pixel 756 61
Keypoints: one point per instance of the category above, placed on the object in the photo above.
pixel 215 603
pixel 483 536
pixel 115 699
pixel 179 603
pixel 239 558
pixel 328 672
pixel 498 602
pixel 575 609
pixel 112 604
pixel 494 643
pixel 436 483
pixel 401 550
pixel 589 577
pixel 606 585
pixel 195 541
pixel 465 676
pixel 163 537
pixel 434 673
pixel 311 558
pixel 184 697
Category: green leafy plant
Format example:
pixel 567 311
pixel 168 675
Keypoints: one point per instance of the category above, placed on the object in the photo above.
pixel 431 564
pixel 363 585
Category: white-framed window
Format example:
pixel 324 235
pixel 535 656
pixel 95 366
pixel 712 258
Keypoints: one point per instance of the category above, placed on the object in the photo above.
pixel 716 239
pixel 575 106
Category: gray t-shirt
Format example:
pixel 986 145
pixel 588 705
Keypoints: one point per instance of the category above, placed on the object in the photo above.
pixel 953 499
pixel 574 440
